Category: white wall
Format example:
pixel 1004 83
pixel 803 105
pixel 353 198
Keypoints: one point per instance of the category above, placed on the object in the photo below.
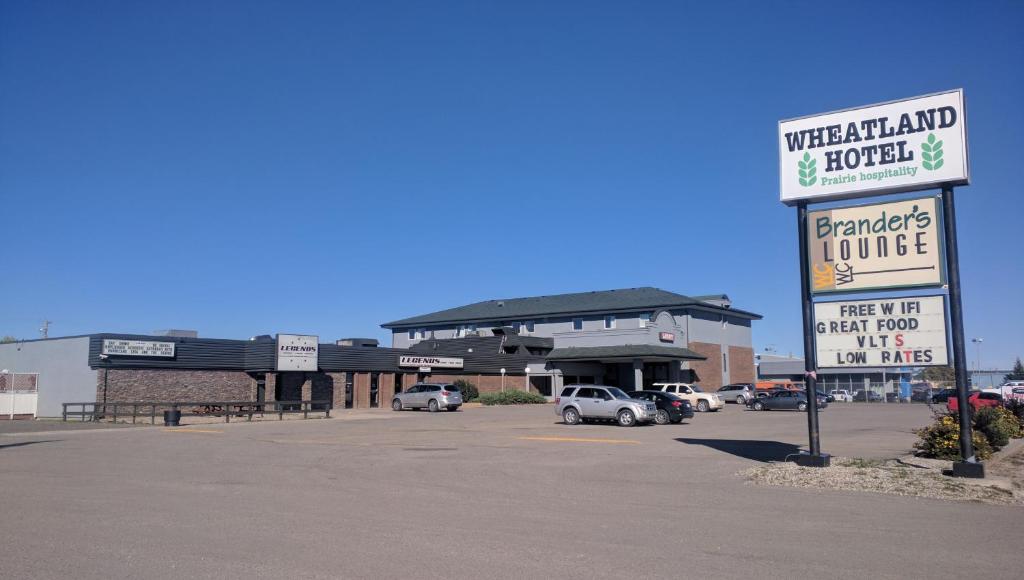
pixel 63 367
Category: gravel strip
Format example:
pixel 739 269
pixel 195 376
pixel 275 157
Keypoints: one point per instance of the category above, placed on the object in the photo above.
pixel 907 476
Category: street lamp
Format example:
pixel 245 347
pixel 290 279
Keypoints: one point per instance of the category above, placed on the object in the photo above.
pixel 527 370
pixel 503 379
pixel 977 342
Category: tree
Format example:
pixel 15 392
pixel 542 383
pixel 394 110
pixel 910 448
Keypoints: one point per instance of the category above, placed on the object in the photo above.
pixel 1017 374
pixel 939 374
pixel 9 338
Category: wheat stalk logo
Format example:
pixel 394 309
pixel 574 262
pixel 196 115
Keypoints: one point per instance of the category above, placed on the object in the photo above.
pixel 931 153
pixel 809 170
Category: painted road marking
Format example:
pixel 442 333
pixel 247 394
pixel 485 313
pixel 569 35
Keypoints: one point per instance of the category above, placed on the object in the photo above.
pixel 582 440
pixel 192 431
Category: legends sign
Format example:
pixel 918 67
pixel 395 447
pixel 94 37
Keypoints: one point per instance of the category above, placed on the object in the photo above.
pixel 441 362
pixel 870 247
pixel 889 332
pixel 908 145
pixel 298 352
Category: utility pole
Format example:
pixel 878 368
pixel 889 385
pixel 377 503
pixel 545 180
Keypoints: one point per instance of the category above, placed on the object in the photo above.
pixel 45 329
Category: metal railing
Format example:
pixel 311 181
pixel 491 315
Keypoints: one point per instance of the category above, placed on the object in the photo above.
pixel 112 411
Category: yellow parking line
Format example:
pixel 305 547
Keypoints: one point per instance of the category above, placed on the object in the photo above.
pixel 582 440
pixel 192 431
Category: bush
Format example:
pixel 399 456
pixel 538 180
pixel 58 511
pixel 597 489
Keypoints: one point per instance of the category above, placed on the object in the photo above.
pixel 941 440
pixel 1016 407
pixel 468 390
pixel 997 424
pixel 512 398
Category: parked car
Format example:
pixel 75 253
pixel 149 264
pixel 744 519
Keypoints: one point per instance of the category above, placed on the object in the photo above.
pixel 841 395
pixel 868 396
pixel 699 399
pixel 943 395
pixel 671 409
pixel 579 402
pixel 786 400
pixel 764 393
pixel 976 401
pixel 828 398
pixel 428 396
pixel 740 393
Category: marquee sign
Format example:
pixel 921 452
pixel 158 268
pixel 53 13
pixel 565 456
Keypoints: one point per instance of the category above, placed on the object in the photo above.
pixel 116 347
pixel 298 352
pixel 888 332
pixel 870 247
pixel 906 145
pixel 442 362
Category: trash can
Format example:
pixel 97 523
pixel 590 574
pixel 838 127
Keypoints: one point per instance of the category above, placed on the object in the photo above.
pixel 172 418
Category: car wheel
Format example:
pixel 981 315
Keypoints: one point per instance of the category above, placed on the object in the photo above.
pixel 702 406
pixel 759 406
pixel 801 406
pixel 396 405
pixel 626 418
pixel 571 416
pixel 661 418
pixel 741 400
pixel 433 406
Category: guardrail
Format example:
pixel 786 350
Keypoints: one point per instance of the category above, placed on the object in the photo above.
pixel 98 411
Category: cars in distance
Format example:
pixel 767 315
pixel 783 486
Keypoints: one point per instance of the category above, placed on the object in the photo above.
pixel 428 396
pixel 841 395
pixel 671 409
pixel 577 403
pixel 700 400
pixel 740 393
pixel 976 400
pixel 786 400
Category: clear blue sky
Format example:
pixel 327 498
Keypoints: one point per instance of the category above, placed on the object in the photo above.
pixel 258 167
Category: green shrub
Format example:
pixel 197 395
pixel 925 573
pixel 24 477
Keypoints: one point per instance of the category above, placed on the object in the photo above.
pixel 941 440
pixel 468 390
pixel 997 424
pixel 1016 407
pixel 512 398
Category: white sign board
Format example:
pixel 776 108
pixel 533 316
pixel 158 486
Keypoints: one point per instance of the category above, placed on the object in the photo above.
pixel 871 247
pixel 298 352
pixel 908 145
pixel 888 332
pixel 115 347
pixel 442 362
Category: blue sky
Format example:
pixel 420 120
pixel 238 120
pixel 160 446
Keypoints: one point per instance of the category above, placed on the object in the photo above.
pixel 244 168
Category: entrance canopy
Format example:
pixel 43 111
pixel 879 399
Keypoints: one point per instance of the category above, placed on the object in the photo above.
pixel 624 353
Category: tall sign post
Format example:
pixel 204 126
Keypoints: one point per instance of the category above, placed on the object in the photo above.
pixel 896 147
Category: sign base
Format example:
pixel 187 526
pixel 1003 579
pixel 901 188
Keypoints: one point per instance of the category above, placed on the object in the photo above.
pixel 807 460
pixel 971 469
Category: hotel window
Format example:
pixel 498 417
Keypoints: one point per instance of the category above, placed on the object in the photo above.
pixel 529 326
pixel 609 322
pixel 460 331
pixel 517 326
pixel 577 324
pixel 412 334
pixel 645 319
pixel 423 333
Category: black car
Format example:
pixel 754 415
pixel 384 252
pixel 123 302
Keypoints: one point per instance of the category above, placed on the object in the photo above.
pixel 788 400
pixel 671 409
pixel 868 396
pixel 943 395
pixel 828 398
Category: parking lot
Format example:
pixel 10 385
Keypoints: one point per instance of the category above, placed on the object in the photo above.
pixel 502 492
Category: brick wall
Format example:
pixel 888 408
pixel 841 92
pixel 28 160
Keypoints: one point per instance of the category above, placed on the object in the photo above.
pixel 709 372
pixel 484 383
pixel 174 385
pixel 741 364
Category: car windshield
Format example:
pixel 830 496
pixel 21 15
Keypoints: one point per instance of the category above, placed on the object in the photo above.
pixel 617 393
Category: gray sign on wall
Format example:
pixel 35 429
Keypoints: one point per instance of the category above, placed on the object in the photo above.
pixel 298 352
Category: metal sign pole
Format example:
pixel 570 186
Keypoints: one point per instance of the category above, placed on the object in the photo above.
pixel 968 466
pixel 815 458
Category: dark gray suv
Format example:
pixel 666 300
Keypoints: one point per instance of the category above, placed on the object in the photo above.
pixel 579 402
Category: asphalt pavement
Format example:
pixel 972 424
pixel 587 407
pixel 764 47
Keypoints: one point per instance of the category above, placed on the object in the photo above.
pixel 495 492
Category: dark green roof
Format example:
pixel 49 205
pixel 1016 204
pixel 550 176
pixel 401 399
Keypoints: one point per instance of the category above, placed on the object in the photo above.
pixel 512 309
pixel 624 351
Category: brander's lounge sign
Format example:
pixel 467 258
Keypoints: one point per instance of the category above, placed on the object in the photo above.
pixel 890 332
pixel 298 352
pixel 906 145
pixel 869 247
